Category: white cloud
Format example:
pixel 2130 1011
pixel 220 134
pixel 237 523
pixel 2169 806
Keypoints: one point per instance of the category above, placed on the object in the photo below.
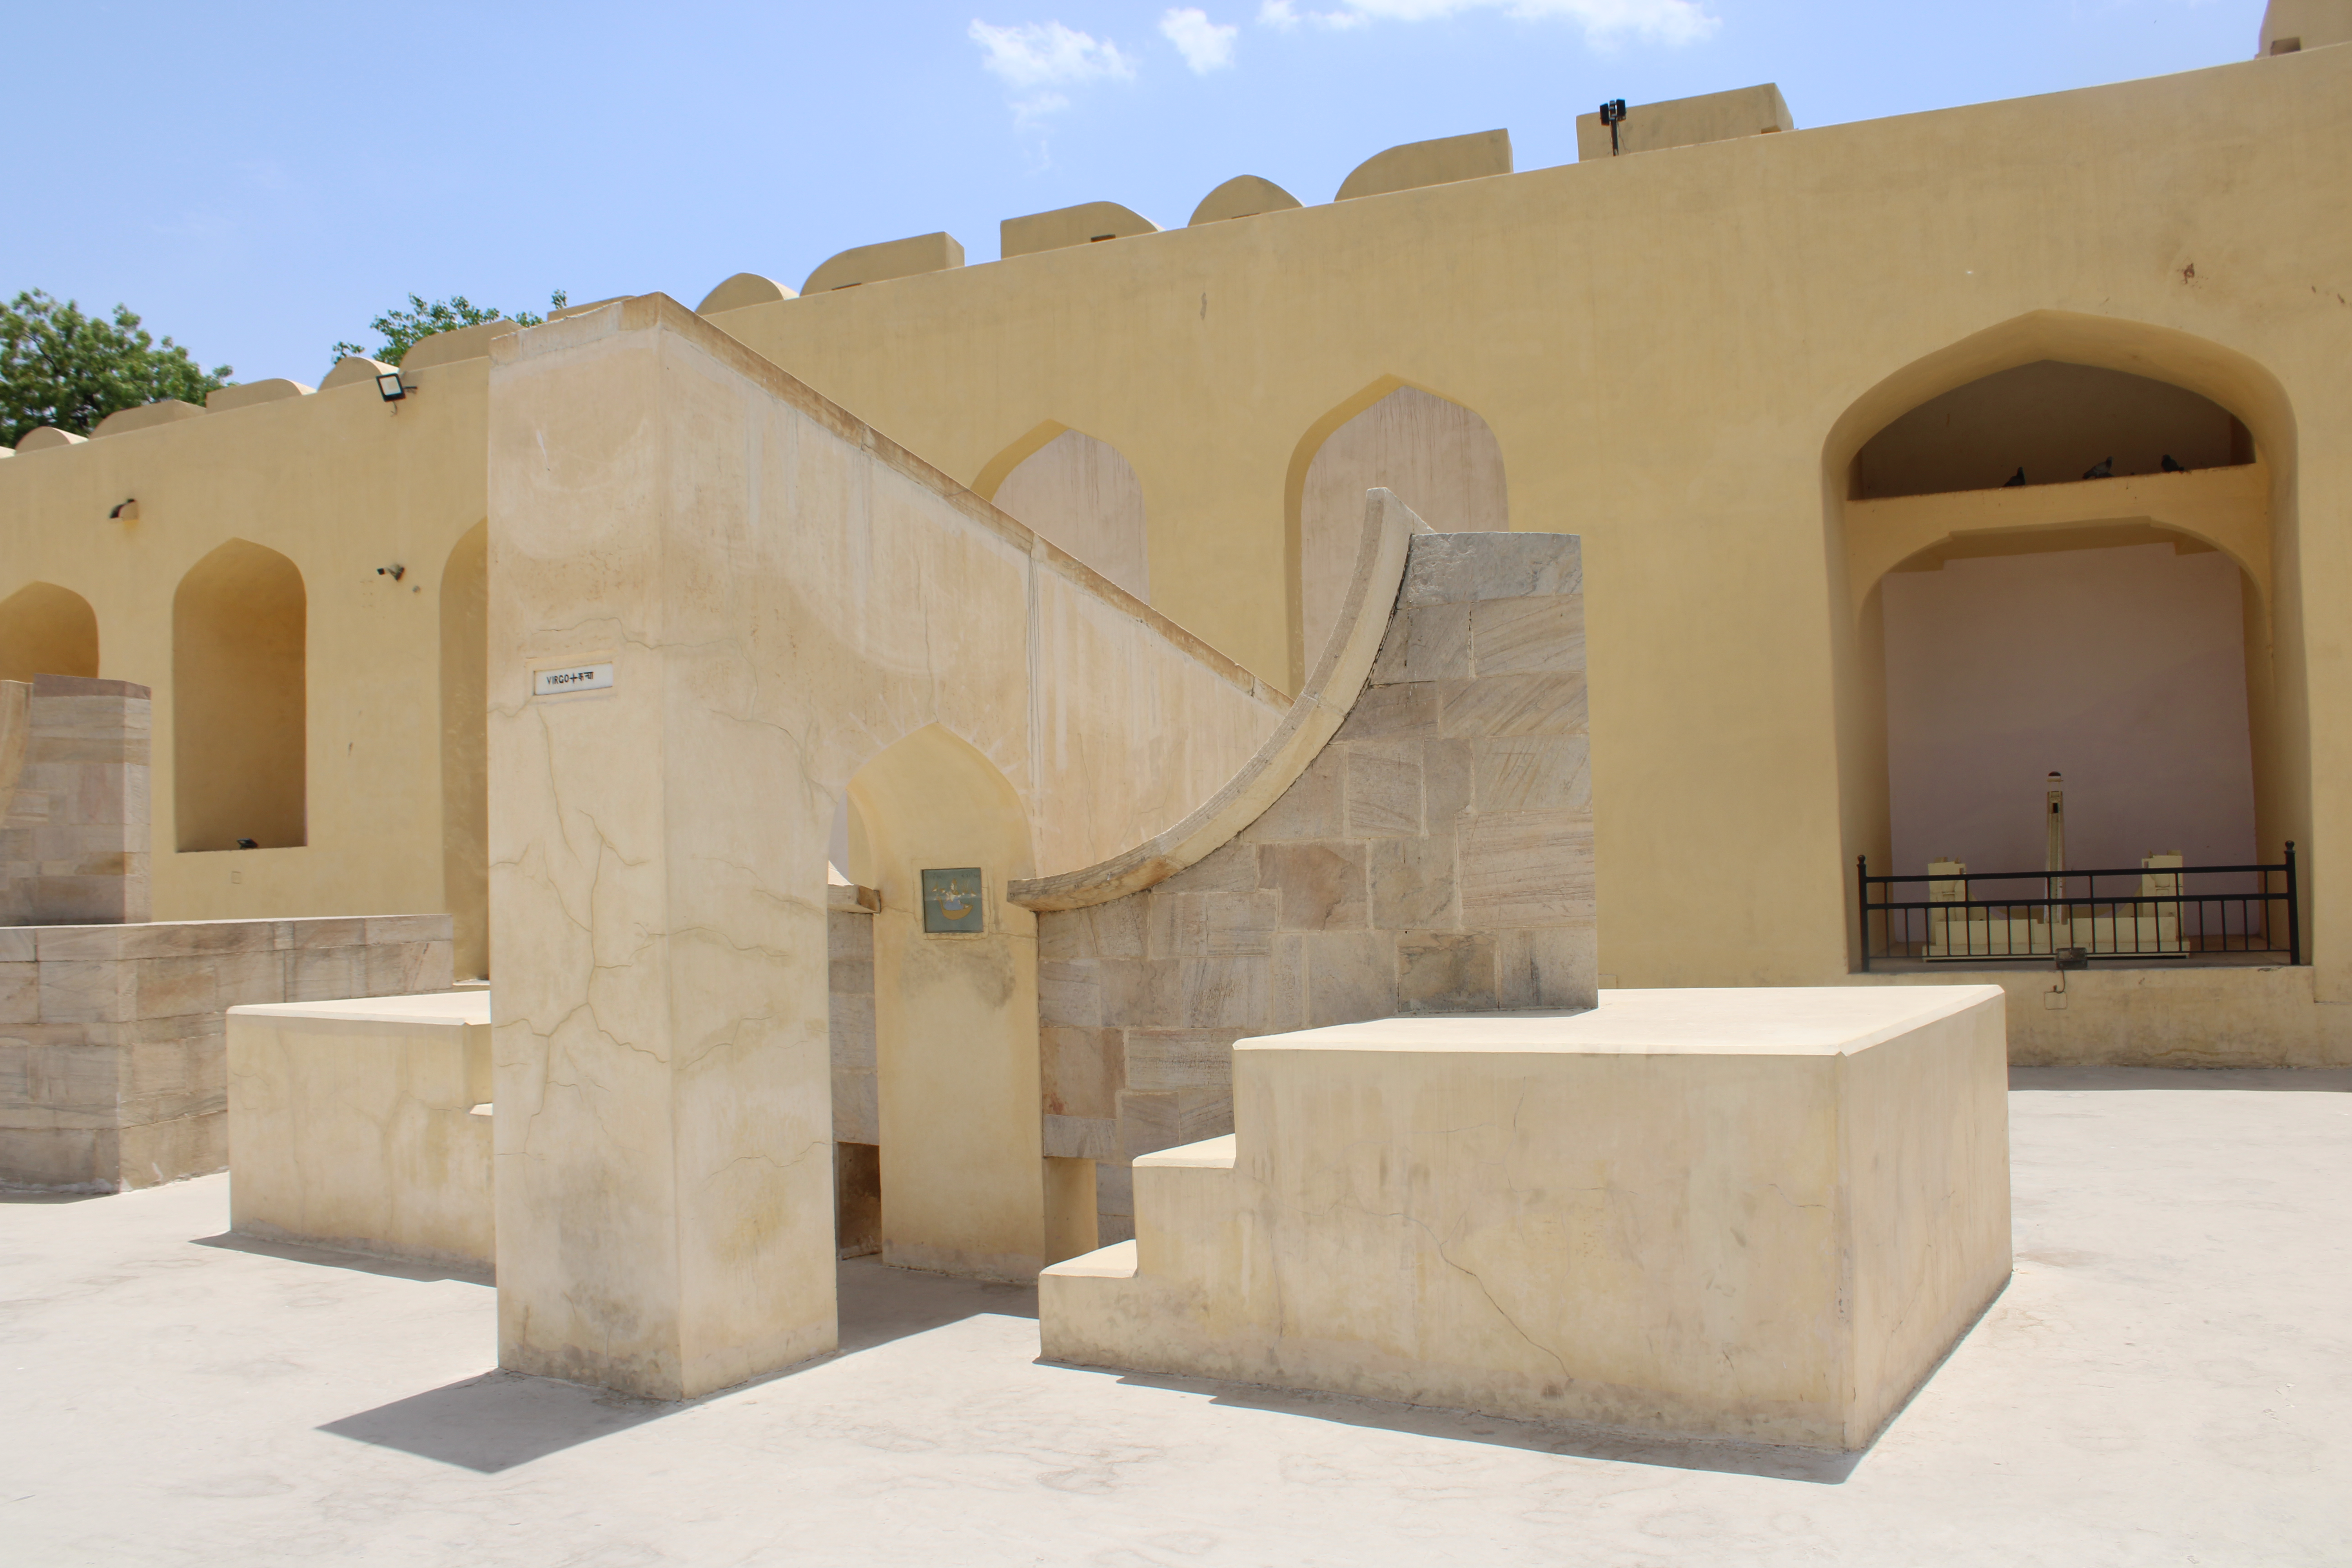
pixel 1206 45
pixel 1603 21
pixel 1040 54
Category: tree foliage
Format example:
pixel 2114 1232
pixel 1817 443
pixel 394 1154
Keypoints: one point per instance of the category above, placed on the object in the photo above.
pixel 402 329
pixel 61 367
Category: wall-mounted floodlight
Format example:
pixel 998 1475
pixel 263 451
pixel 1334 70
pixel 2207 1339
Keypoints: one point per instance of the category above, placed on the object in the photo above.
pixel 126 513
pixel 392 388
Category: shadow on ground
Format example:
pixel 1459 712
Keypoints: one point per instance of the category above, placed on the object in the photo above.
pixel 502 1420
pixel 358 1262
pixel 2272 1080
pixel 1769 1461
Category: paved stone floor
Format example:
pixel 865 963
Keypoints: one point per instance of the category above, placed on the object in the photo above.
pixel 2166 1380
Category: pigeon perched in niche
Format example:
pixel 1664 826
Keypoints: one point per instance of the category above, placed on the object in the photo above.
pixel 2173 465
pixel 2105 468
pixel 2015 479
pixel 248 844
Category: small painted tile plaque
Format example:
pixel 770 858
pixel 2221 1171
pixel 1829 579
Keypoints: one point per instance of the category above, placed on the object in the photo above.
pixel 951 901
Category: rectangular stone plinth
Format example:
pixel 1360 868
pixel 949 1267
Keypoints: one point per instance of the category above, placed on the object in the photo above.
pixel 113 1072
pixel 365 1125
pixel 1754 1213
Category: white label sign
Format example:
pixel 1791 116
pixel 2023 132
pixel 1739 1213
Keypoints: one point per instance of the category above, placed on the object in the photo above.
pixel 570 678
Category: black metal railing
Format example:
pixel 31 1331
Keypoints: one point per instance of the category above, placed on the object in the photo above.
pixel 2164 917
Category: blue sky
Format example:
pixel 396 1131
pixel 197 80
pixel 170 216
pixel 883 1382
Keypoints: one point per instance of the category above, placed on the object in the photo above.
pixel 259 181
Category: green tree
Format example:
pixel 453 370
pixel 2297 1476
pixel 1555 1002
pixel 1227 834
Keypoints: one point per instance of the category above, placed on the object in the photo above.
pixel 401 329
pixel 60 367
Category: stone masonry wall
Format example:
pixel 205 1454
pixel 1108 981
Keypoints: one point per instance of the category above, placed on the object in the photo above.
pixel 74 836
pixel 113 1058
pixel 1435 857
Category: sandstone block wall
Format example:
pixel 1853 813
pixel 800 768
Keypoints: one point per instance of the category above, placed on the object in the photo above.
pixel 113 1067
pixel 74 834
pixel 1435 857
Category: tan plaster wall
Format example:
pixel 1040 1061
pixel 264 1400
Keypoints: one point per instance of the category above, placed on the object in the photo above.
pixel 352 1125
pixel 339 483
pixel 1823 279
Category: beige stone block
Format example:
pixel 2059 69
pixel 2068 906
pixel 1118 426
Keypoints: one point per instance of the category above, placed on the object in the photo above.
pixel 1350 976
pixel 1312 807
pixel 384 930
pixel 1061 935
pixel 1230 869
pixel 849 1031
pixel 1548 966
pixel 1115 1191
pixel 1081 1072
pixel 1382 712
pixel 334 931
pixel 1115 929
pixel 1131 992
pixel 16 946
pixel 1239 924
pixel 1383 789
pixel 1432 643
pixel 351 1124
pixel 856 1106
pixel 76 992
pixel 1533 773
pixel 849 976
pixel 1286 981
pixel 1527 868
pixel 1205 1111
pixel 406 968
pixel 849 934
pixel 96 943
pixel 175 987
pixel 1460 568
pixel 326 975
pixel 85 1078
pixel 1513 705
pixel 1445 972
pixel 1214 993
pixel 1322 885
pixel 1147 1120
pixel 248 979
pixel 1413 884
pixel 1080 1138
pixel 1536 635
pixel 1762 1215
pixel 1179 1058
pixel 1447 782
pixel 20 993
pixel 59 1157
pixel 1070 992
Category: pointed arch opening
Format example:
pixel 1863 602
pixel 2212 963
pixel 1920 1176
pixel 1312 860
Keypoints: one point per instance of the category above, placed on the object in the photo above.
pixel 46 630
pixel 1082 494
pixel 2067 544
pixel 939 831
pixel 1439 458
pixel 239 692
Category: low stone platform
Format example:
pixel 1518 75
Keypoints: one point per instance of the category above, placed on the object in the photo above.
pixel 1754 1213
pixel 113 1071
pixel 364 1125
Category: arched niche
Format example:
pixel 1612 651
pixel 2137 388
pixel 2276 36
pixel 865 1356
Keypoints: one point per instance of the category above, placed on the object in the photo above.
pixel 963 1178
pixel 46 630
pixel 1946 576
pixel 465 750
pixel 239 625
pixel 1083 496
pixel 1441 459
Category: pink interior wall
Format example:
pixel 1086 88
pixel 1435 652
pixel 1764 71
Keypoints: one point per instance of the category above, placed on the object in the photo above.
pixel 2123 669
